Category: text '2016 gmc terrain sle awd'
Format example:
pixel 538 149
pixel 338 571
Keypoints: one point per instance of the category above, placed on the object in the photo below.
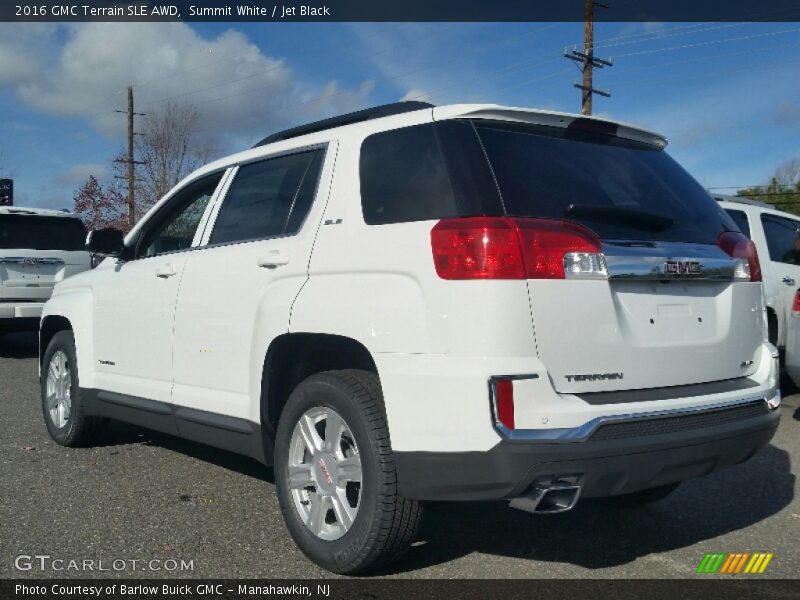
pixel 414 303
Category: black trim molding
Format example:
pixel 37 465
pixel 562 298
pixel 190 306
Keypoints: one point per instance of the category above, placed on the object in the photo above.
pixel 220 431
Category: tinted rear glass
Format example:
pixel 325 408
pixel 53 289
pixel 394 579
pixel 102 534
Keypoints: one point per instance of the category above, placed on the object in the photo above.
pixel 740 218
pixel 425 172
pixel 622 190
pixel 41 233
pixel 783 239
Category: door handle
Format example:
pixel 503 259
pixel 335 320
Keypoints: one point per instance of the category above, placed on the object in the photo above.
pixel 166 271
pixel 787 280
pixel 273 259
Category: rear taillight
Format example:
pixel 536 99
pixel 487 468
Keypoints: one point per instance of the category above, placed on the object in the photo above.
pixel 477 248
pixel 507 248
pixel 504 402
pixel 738 247
pixel 796 304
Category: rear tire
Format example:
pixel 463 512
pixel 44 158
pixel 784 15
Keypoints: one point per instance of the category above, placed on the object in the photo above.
pixel 641 498
pixel 342 506
pixel 62 405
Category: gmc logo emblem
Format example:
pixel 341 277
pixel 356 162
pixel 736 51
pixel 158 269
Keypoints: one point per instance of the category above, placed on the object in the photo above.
pixel 30 261
pixel 682 267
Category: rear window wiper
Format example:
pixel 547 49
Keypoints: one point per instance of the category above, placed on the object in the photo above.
pixel 619 215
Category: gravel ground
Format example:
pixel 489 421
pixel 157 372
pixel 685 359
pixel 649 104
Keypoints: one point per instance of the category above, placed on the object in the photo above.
pixel 145 496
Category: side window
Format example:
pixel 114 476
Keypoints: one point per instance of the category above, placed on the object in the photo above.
pixel 268 198
pixel 783 239
pixel 404 177
pixel 426 172
pixel 740 218
pixel 175 230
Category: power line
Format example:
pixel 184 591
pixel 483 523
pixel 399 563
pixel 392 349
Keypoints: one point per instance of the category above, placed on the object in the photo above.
pixel 710 43
pixel 739 187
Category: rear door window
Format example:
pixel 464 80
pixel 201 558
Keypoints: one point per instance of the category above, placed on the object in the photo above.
pixel 268 198
pixel 740 218
pixel 33 232
pixel 783 239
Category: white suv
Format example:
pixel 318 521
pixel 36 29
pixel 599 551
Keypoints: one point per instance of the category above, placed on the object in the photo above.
pixel 415 303
pixel 38 248
pixel 776 235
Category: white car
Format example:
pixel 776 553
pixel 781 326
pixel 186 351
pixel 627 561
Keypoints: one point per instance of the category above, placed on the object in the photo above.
pixel 38 248
pixel 776 235
pixel 411 303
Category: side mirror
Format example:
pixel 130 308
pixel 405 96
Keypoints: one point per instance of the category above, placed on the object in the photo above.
pixel 108 242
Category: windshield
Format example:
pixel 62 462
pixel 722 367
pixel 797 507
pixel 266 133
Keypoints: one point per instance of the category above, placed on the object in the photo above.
pixel 622 190
pixel 41 233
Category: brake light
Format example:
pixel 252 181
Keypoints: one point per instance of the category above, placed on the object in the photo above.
pixel 796 304
pixel 477 248
pixel 504 402
pixel 743 250
pixel 521 248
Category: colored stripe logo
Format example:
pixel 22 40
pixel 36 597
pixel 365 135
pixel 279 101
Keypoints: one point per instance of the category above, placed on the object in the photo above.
pixel 735 563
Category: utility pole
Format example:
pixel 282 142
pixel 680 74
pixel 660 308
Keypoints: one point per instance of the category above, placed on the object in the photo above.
pixel 588 50
pixel 130 160
pixel 587 58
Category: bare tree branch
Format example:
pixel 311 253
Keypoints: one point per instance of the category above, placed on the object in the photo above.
pixel 170 149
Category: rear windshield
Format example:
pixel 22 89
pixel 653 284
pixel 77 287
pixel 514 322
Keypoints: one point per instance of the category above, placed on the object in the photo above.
pixel 623 190
pixel 41 233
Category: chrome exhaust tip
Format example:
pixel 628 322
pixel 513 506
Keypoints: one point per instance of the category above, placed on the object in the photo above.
pixel 554 499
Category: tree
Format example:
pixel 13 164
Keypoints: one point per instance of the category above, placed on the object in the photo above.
pixel 783 189
pixel 101 206
pixel 170 148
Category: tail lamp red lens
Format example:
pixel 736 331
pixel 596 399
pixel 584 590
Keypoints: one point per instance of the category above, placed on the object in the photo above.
pixel 514 248
pixel 504 401
pixel 737 246
pixel 796 304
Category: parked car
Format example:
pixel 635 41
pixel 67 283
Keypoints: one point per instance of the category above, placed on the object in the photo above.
pixel 776 235
pixel 413 303
pixel 38 248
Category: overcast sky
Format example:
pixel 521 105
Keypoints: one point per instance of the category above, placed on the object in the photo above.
pixel 725 94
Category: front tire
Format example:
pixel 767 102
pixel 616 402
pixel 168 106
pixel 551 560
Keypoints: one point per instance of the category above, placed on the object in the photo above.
pixel 62 406
pixel 335 474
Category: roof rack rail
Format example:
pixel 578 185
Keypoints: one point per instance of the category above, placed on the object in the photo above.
pixel 358 116
pixel 742 200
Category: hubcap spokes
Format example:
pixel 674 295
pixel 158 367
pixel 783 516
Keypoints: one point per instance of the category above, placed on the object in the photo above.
pixel 325 473
pixel 58 390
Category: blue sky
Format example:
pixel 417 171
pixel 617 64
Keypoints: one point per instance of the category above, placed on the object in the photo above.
pixel 725 94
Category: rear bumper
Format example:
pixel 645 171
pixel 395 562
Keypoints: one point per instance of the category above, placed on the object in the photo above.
pixel 607 464
pixel 17 316
pixel 21 310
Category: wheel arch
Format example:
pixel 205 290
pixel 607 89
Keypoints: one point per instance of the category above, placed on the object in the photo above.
pixel 48 328
pixel 774 328
pixel 293 357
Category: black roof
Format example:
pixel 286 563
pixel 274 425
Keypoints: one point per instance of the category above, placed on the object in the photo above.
pixel 358 116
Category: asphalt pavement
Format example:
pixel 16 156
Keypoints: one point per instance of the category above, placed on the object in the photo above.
pixel 144 497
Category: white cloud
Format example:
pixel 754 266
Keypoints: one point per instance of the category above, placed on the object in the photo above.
pixel 78 174
pixel 240 92
pixel 415 94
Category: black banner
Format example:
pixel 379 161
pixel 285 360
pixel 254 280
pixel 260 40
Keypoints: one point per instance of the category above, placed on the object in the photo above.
pixel 707 588
pixel 6 192
pixel 407 10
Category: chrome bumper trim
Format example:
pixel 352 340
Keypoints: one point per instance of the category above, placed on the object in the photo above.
pixel 584 432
